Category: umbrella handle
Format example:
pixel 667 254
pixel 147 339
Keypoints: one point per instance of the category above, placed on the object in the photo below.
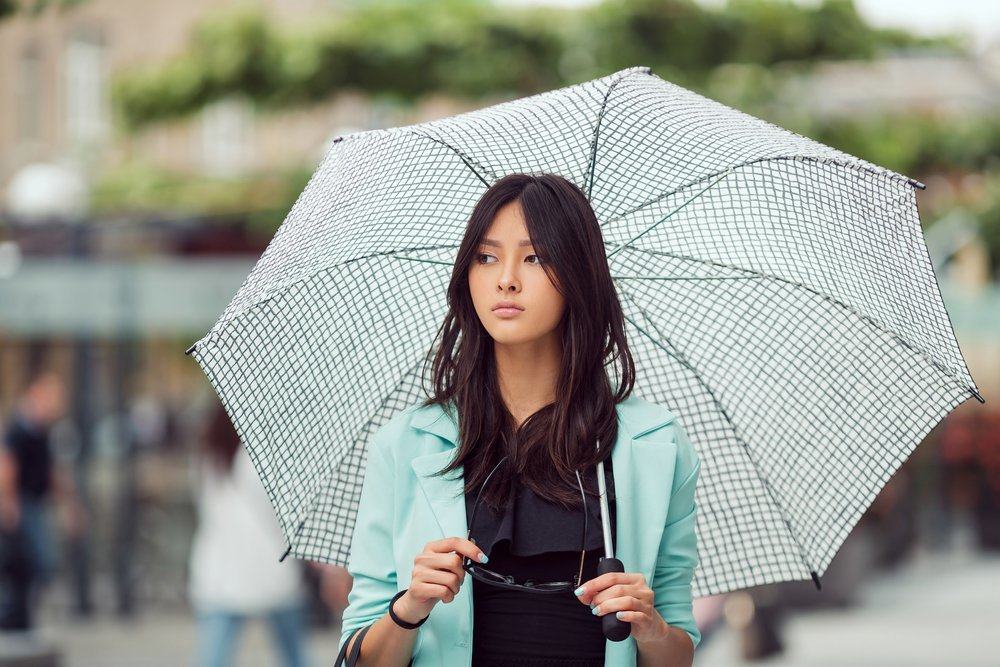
pixel 614 629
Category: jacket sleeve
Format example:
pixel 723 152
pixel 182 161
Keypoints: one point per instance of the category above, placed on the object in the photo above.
pixel 371 559
pixel 678 555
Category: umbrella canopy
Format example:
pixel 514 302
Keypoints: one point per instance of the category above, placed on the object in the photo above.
pixel 779 297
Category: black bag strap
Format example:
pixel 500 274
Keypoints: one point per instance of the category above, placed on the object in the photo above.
pixel 342 658
pixel 356 649
pixel 343 652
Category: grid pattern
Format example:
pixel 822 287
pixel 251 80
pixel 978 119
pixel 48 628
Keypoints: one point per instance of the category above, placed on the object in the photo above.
pixel 779 297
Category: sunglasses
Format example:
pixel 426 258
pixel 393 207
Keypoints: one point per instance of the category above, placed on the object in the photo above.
pixel 492 578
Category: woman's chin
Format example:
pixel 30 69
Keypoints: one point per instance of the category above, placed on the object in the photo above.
pixel 511 334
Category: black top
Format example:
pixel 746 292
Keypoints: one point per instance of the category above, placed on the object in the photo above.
pixel 539 540
pixel 29 445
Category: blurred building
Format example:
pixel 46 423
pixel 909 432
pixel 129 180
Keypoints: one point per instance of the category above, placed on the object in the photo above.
pixel 56 73
pixel 158 275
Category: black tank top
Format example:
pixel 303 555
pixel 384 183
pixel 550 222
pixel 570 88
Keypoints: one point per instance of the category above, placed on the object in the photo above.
pixel 538 540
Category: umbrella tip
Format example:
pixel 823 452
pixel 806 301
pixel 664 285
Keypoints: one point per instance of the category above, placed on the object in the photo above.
pixel 815 578
pixel 979 397
pixel 190 349
pixel 917 184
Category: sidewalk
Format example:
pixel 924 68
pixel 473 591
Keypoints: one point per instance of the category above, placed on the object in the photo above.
pixel 157 638
pixel 939 610
pixel 168 640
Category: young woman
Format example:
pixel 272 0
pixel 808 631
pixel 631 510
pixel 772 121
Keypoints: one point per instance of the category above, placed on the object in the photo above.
pixel 498 467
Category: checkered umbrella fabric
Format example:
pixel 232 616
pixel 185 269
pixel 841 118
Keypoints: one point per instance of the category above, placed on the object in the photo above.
pixel 778 293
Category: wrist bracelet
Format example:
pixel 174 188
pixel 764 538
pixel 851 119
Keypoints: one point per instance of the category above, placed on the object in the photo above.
pixel 397 620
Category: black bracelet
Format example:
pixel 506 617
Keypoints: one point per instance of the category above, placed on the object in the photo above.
pixel 400 622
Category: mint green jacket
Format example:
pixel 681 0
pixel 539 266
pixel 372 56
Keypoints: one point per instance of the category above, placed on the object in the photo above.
pixel 402 507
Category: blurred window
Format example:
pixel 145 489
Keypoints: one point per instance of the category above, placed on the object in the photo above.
pixel 226 134
pixel 29 94
pixel 87 105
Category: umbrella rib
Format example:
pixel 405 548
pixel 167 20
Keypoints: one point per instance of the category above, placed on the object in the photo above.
pixel 214 332
pixel 670 193
pixel 681 359
pixel 947 372
pixel 805 158
pixel 251 453
pixel 326 475
pixel 465 159
pixel 597 127
pixel 428 261
pixel 622 277
pixel 656 224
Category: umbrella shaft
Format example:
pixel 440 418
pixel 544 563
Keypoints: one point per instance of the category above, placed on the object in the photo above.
pixel 605 515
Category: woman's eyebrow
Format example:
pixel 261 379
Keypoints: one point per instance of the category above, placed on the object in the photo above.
pixel 496 244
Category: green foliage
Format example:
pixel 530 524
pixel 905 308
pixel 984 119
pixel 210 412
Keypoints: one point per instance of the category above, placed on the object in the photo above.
pixel 918 143
pixel 469 49
pixel 987 211
pixel 393 50
pixel 9 8
pixel 137 188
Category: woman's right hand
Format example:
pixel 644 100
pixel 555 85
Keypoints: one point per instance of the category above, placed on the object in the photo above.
pixel 437 575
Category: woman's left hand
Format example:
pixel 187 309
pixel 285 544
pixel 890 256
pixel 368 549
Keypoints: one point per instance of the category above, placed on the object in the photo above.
pixel 627 595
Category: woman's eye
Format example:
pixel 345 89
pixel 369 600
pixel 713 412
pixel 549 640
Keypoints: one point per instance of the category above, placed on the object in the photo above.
pixel 482 258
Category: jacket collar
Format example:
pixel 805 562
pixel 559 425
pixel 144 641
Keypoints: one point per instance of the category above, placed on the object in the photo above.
pixel 638 417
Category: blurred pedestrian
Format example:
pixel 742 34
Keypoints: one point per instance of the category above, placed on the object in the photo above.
pixel 29 482
pixel 235 573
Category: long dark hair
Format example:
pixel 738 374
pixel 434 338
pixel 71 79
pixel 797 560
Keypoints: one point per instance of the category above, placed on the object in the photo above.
pixel 560 438
pixel 219 440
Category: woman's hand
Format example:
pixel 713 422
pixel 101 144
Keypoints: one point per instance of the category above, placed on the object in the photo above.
pixel 627 595
pixel 437 575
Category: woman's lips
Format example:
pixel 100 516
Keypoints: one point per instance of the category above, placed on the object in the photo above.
pixel 507 312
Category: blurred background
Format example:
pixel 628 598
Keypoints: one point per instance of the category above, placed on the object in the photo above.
pixel 148 152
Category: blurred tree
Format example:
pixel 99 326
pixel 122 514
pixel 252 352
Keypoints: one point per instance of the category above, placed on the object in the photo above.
pixel 137 188
pixel 470 49
pixel 987 211
pixel 33 7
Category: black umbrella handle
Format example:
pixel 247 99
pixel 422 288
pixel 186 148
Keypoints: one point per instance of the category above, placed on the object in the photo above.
pixel 615 629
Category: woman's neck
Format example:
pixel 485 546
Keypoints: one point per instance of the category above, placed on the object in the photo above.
pixel 528 374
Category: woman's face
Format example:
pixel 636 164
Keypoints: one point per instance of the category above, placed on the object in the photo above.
pixel 505 270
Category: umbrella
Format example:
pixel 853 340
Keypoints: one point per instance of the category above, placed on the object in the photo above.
pixel 778 292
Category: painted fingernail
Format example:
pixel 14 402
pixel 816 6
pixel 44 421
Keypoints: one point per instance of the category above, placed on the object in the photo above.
pixel 483 558
pixel 579 591
pixel 595 611
pixel 619 615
